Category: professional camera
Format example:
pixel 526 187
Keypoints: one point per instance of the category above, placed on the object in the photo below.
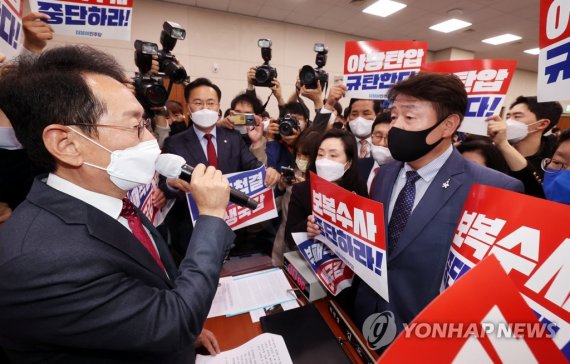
pixel 308 76
pixel 265 74
pixel 171 33
pixel 149 89
pixel 287 124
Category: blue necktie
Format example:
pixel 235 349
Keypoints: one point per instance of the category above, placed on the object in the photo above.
pixel 402 209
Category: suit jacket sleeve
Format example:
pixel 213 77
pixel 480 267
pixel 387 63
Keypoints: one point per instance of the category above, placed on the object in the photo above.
pixel 298 211
pixel 76 297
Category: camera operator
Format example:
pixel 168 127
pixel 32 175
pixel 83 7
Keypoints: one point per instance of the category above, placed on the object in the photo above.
pixel 283 133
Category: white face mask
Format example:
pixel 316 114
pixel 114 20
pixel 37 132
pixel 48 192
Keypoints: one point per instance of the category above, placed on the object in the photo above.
pixel 329 169
pixel 361 127
pixel 381 154
pixel 130 167
pixel 8 139
pixel 205 118
pixel 302 164
pixel 516 130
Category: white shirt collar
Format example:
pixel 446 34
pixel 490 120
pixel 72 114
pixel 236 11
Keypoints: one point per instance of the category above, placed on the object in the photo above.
pixel 429 171
pixel 200 134
pixel 112 206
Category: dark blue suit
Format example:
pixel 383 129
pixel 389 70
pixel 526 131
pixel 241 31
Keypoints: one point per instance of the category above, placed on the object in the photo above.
pixel 233 156
pixel 415 268
pixel 78 287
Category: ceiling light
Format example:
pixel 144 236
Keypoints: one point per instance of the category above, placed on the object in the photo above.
pixel 500 39
pixel 534 51
pixel 450 25
pixel 384 8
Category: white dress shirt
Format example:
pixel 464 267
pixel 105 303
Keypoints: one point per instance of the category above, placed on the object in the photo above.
pixel 427 174
pixel 204 142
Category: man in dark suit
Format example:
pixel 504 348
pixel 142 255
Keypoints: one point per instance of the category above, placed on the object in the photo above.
pixel 209 144
pixel 85 277
pixel 423 193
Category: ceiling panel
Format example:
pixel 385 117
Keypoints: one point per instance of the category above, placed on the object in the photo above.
pixel 489 18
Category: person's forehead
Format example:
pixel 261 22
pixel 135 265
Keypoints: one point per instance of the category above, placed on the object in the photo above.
pixel 563 152
pixel 406 102
pixel 117 97
pixel 383 127
pixel 244 105
pixel 363 105
pixel 520 108
pixel 205 92
pixel 331 144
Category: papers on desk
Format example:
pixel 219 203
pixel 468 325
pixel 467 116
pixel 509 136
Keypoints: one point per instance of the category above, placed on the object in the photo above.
pixel 248 292
pixel 265 349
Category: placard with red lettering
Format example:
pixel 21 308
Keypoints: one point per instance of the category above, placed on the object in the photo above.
pixel 531 239
pixel 481 319
pixel 141 197
pixel 11 33
pixel 327 266
pixel 372 67
pixel 252 183
pixel 105 19
pixel 553 82
pixel 486 82
pixel 353 228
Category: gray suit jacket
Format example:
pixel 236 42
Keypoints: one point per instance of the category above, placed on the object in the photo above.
pixel 415 267
pixel 76 286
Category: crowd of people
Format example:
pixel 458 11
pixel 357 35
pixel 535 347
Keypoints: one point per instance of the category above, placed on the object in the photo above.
pixel 87 278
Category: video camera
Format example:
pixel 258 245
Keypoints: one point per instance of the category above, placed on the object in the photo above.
pixel 308 76
pixel 265 74
pixel 287 124
pixel 149 89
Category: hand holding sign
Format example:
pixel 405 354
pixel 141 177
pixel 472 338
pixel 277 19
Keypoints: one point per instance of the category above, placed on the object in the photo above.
pixel 36 31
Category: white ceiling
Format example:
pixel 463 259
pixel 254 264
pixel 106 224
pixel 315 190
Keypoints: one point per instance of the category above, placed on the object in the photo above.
pixel 489 18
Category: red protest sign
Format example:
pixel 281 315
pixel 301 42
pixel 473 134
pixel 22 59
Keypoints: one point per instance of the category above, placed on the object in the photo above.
pixel 372 67
pixel 486 82
pixel 353 228
pixel 531 239
pixel 482 318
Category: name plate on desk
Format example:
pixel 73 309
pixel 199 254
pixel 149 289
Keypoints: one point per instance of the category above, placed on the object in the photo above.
pixel 301 273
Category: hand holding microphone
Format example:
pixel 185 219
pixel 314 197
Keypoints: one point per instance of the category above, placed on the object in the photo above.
pixel 174 166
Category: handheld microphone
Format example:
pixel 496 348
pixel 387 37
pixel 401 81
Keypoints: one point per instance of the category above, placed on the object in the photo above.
pixel 174 166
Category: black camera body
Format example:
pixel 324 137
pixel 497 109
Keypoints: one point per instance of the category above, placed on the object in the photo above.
pixel 149 89
pixel 288 175
pixel 265 74
pixel 308 76
pixel 287 124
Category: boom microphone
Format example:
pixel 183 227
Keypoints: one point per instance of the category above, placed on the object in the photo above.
pixel 174 166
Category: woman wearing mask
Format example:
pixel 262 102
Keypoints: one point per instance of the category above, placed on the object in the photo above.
pixel 303 149
pixel 333 160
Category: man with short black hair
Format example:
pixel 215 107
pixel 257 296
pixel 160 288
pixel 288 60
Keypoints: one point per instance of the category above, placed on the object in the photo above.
pixel 423 193
pixel 85 276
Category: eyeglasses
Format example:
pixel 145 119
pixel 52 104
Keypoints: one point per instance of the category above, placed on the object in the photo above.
pixel 143 124
pixel 210 104
pixel 550 165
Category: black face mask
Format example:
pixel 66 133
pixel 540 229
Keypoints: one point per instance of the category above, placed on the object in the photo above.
pixel 408 146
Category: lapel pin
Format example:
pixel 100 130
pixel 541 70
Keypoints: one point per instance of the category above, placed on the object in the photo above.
pixel 445 184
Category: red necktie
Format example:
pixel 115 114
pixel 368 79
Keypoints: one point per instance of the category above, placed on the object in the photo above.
pixel 128 212
pixel 212 157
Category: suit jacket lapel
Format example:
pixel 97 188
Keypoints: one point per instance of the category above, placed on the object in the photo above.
pixel 223 149
pixel 99 224
pixel 433 200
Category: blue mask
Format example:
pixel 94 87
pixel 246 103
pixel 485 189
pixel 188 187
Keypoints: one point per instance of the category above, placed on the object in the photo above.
pixel 556 186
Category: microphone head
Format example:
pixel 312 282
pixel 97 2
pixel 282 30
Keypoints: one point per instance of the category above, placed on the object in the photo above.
pixel 169 165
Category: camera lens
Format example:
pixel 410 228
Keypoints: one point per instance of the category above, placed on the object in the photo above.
pixel 308 77
pixel 174 71
pixel 262 75
pixel 155 95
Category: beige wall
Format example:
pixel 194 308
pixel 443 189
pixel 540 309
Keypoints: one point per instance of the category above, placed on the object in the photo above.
pixel 230 42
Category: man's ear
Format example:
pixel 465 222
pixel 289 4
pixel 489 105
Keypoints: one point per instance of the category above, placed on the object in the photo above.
pixel 451 123
pixel 542 124
pixel 62 145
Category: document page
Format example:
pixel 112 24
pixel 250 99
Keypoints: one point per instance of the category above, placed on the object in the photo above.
pixel 222 300
pixel 259 289
pixel 263 349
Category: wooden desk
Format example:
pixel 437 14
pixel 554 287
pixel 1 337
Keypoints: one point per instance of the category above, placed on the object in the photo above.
pixel 234 331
